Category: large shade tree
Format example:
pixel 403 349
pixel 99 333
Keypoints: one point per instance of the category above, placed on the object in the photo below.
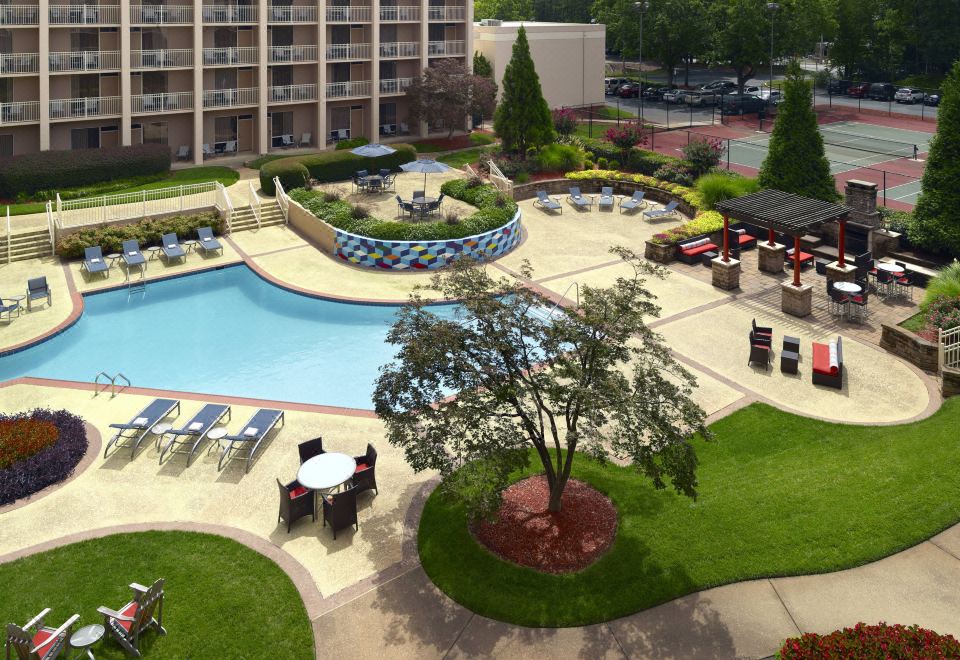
pixel 592 378
pixel 522 119
pixel 446 93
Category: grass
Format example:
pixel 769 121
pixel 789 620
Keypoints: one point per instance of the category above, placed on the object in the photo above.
pixel 260 161
pixel 428 147
pixel 202 174
pixel 779 495
pixel 915 323
pixel 221 598
pixel 607 112
pixel 460 158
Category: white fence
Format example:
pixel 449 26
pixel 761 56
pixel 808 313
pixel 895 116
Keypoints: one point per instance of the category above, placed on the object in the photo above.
pixel 131 206
pixel 282 199
pixel 500 180
pixel 949 348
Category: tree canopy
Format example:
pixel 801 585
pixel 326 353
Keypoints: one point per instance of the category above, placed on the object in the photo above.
pixel 522 119
pixel 446 92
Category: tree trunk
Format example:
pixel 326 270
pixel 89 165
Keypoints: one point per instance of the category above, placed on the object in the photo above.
pixel 686 72
pixel 556 492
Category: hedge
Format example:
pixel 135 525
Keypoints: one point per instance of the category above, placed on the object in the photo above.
pixel 291 172
pixel 50 170
pixel 50 465
pixel 639 160
pixel 146 232
pixel 330 166
pixel 352 143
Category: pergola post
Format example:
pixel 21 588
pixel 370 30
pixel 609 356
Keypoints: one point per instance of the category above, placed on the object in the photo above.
pixel 842 241
pixel 771 238
pixel 726 238
pixel 796 261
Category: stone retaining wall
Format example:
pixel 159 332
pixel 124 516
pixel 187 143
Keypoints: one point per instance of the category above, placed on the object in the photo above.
pixel 950 383
pixel 910 347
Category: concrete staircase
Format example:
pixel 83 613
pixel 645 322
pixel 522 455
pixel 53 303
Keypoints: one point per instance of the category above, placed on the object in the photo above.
pixel 244 219
pixel 31 244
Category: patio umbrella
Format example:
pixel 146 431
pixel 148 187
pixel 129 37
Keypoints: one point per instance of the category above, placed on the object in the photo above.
pixel 373 150
pixel 426 166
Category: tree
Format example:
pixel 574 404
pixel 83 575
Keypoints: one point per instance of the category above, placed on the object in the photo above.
pixel 625 138
pixel 564 121
pixel 936 223
pixel 447 92
pixel 594 379
pixel 481 65
pixel 523 118
pixel 505 10
pixel 743 36
pixel 675 30
pixel 796 161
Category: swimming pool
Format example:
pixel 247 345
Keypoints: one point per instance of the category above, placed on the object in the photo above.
pixel 223 332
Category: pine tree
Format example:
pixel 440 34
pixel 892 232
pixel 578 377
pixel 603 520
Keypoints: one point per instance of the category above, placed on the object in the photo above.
pixel 796 161
pixel 481 65
pixel 936 224
pixel 522 119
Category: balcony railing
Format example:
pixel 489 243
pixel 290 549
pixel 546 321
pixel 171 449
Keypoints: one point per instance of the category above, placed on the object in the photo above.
pixel 451 13
pixel 395 85
pixel 231 56
pixel 84 14
pixel 19 15
pixel 293 54
pixel 19 112
pixel 161 59
pixel 400 49
pixel 90 60
pixel 400 13
pixel 160 14
pixel 96 106
pixel 446 48
pixel 341 90
pixel 348 52
pixel 293 93
pixel 164 102
pixel 229 98
pixel 348 14
pixel 229 13
pixel 292 14
pixel 19 63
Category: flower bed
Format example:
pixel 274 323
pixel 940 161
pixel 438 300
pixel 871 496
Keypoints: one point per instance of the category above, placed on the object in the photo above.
pixel 688 195
pixel 38 449
pixel 867 642
pixel 146 232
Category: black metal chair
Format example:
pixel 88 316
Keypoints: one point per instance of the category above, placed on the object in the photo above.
pixel 309 449
pixel 904 284
pixel 365 477
pixel 858 303
pixel 296 501
pixel 340 510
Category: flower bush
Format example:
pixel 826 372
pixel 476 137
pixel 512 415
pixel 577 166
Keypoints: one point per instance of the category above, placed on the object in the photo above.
pixel 868 642
pixel 564 121
pixel 703 154
pixel 23 437
pixel 943 312
pixel 36 461
pixel 146 232
pixel 626 137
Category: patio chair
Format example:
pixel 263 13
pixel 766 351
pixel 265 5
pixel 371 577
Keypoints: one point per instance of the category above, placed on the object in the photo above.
pixel 885 283
pixel 207 242
pixel 858 304
pixel 286 141
pixel 136 617
pixel 389 180
pixel 8 306
pixel 404 129
pixel 666 212
pixel 340 510
pixel 93 261
pixel 38 289
pixel 310 448
pixel 132 256
pixel 405 207
pixel 296 501
pixel 171 247
pixel 904 284
pixel 634 202
pixel 419 193
pixel 385 172
pixel 544 202
pixel 765 340
pixel 188 437
pixel 132 433
pixel 365 476
pixel 821 267
pixel 248 440
pixel 230 147
pixel 760 330
pixel 759 354
pixel 183 153
pixel 374 185
pixel 207 151
pixel 305 140
pixel 34 641
pixel 435 206
pixel 606 198
pixel 578 200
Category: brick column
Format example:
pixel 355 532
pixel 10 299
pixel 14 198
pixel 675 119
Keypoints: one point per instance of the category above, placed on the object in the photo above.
pixel 770 259
pixel 726 274
pixel 796 300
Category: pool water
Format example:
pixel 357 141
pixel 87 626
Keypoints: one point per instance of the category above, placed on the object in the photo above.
pixel 223 332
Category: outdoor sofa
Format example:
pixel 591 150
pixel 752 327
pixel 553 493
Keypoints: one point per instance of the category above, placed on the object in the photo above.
pixel 690 250
pixel 828 364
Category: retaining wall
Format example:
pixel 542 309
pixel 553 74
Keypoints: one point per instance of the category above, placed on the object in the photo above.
pixel 910 347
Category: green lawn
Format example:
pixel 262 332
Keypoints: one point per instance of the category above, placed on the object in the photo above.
pixel 222 600
pixel 779 495
pixel 460 158
pixel 608 112
pixel 915 323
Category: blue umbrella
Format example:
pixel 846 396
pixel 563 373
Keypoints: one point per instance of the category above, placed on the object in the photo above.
pixel 373 150
pixel 426 166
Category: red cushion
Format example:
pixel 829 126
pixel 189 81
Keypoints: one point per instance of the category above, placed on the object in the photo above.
pixel 40 638
pixel 361 467
pixel 746 238
pixel 298 491
pixel 857 299
pixel 761 346
pixel 700 249
pixel 130 609
pixel 821 360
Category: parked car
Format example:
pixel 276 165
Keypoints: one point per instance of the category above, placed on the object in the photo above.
pixel 882 92
pixel 612 85
pixel 700 98
pixel 836 87
pixel 674 96
pixel 773 97
pixel 932 99
pixel 720 86
pixel 738 104
pixel 630 90
pixel 756 90
pixel 908 95
pixel 859 90
pixel 655 93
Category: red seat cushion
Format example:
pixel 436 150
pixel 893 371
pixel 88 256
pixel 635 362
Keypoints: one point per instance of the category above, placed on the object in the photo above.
pixel 130 609
pixel 40 638
pixel 821 359
pixel 746 238
pixel 298 491
pixel 700 249
pixel 761 346
pixel 361 467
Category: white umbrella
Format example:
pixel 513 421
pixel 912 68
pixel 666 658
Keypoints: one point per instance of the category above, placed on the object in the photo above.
pixel 426 166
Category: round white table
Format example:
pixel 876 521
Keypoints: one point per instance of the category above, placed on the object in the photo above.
pixel 847 287
pixel 326 471
pixel 86 637
pixel 890 268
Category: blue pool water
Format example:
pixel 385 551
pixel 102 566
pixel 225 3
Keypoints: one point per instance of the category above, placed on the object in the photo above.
pixel 222 332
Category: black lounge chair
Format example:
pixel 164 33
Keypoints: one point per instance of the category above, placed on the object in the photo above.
pixel 188 437
pixel 296 501
pixel 365 477
pixel 38 289
pixel 93 261
pixel 340 510
pixel 132 433
pixel 207 242
pixel 309 449
pixel 249 439
pixel 171 248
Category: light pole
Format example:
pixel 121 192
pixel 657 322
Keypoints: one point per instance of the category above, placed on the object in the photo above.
pixel 642 7
pixel 772 7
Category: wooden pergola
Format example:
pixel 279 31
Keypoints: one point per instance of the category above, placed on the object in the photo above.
pixel 777 211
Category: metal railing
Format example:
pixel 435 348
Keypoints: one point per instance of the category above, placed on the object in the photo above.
pixel 348 14
pixel 89 60
pixel 345 89
pixel 84 14
pixel 304 53
pixel 449 13
pixel 111 381
pixel 51 226
pixel 161 14
pixel 19 15
pixel 400 13
pixel 395 85
pixel 254 201
pixel 231 56
pixel 163 102
pixel 292 14
pixel 446 48
pixel 282 200
pixel 136 205
pixel 348 51
pixel 96 106
pixel 949 348
pixel 10 238
pixel 19 112
pixel 400 49
pixel 223 205
pixel 500 180
pixel 19 62
pixel 161 58
pixel 229 13
pixel 228 98
pixel 293 93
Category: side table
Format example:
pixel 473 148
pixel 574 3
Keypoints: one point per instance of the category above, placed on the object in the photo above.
pixel 789 362
pixel 791 344
pixel 217 433
pixel 86 637
pixel 158 430
pixel 707 258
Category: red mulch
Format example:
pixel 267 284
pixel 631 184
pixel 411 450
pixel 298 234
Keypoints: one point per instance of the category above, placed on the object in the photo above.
pixel 525 533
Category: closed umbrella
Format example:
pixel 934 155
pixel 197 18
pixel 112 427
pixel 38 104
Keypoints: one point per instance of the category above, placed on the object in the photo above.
pixel 426 166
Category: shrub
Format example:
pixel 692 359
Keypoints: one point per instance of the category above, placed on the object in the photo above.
pixel 863 641
pixel 718 187
pixel 352 143
pixel 481 139
pixel 522 177
pixel 943 313
pixel 626 137
pixel 676 172
pixel 898 221
pixel 705 223
pixel 603 162
pixel 945 285
pixel 560 158
pixel 614 165
pixel 647 162
pixel 703 154
pixel 50 170
pixel 147 232
pixel 337 165
pixel 51 463
pixel 564 121
pixel 291 172
pixel 588 164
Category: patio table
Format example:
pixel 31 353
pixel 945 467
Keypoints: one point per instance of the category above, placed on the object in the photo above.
pixel 890 268
pixel 374 182
pixel 847 287
pixel 326 471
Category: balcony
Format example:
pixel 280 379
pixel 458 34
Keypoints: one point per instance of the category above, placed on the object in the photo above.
pixel 89 60
pixel 292 14
pixel 343 90
pixel 293 93
pixel 231 56
pixel 395 85
pixel 397 49
pixel 230 98
pixel 164 102
pixel 452 13
pixel 160 14
pixel 282 54
pixel 348 14
pixel 19 15
pixel 19 112
pixel 446 48
pixel 348 52
pixel 84 14
pixel 398 14
pixel 95 106
pixel 166 58
pixel 229 14
pixel 13 63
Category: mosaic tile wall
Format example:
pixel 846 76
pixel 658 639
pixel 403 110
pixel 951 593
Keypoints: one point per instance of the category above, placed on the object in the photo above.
pixel 403 255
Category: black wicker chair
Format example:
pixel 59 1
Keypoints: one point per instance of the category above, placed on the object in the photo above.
pixel 296 501
pixel 309 449
pixel 759 353
pixel 340 510
pixel 365 478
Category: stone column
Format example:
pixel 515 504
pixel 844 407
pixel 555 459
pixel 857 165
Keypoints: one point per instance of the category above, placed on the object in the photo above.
pixel 796 300
pixel 44 50
pixel 838 273
pixel 771 257
pixel 198 114
pixel 726 274
pixel 125 91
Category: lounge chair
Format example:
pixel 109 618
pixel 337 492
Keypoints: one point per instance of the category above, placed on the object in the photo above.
pixel 129 622
pixel 310 448
pixel 132 433
pixel 304 140
pixel 34 641
pixel 828 364
pixel 188 437
pixel 249 439
pixel 606 198
pixel 8 306
pixel 132 256
pixel 183 153
pixel 579 200
pixel 171 247
pixel 207 242
pixel 38 289
pixel 667 211
pixel 633 203
pixel 340 510
pixel 296 501
pixel 365 476
pixel 93 261
pixel 544 202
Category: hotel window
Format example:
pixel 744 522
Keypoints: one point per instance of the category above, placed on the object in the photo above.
pixel 6 144
pixel 85 138
pixel 85 86
pixel 225 129
pixel 281 123
pixel 155 133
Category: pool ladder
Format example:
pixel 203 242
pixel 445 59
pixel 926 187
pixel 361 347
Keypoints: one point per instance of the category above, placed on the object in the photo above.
pixel 111 381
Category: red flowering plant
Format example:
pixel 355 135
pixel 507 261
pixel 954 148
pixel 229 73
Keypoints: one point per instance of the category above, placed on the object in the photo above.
pixel 23 437
pixel 626 137
pixel 37 449
pixel 703 154
pixel 564 121
pixel 943 313
pixel 868 642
